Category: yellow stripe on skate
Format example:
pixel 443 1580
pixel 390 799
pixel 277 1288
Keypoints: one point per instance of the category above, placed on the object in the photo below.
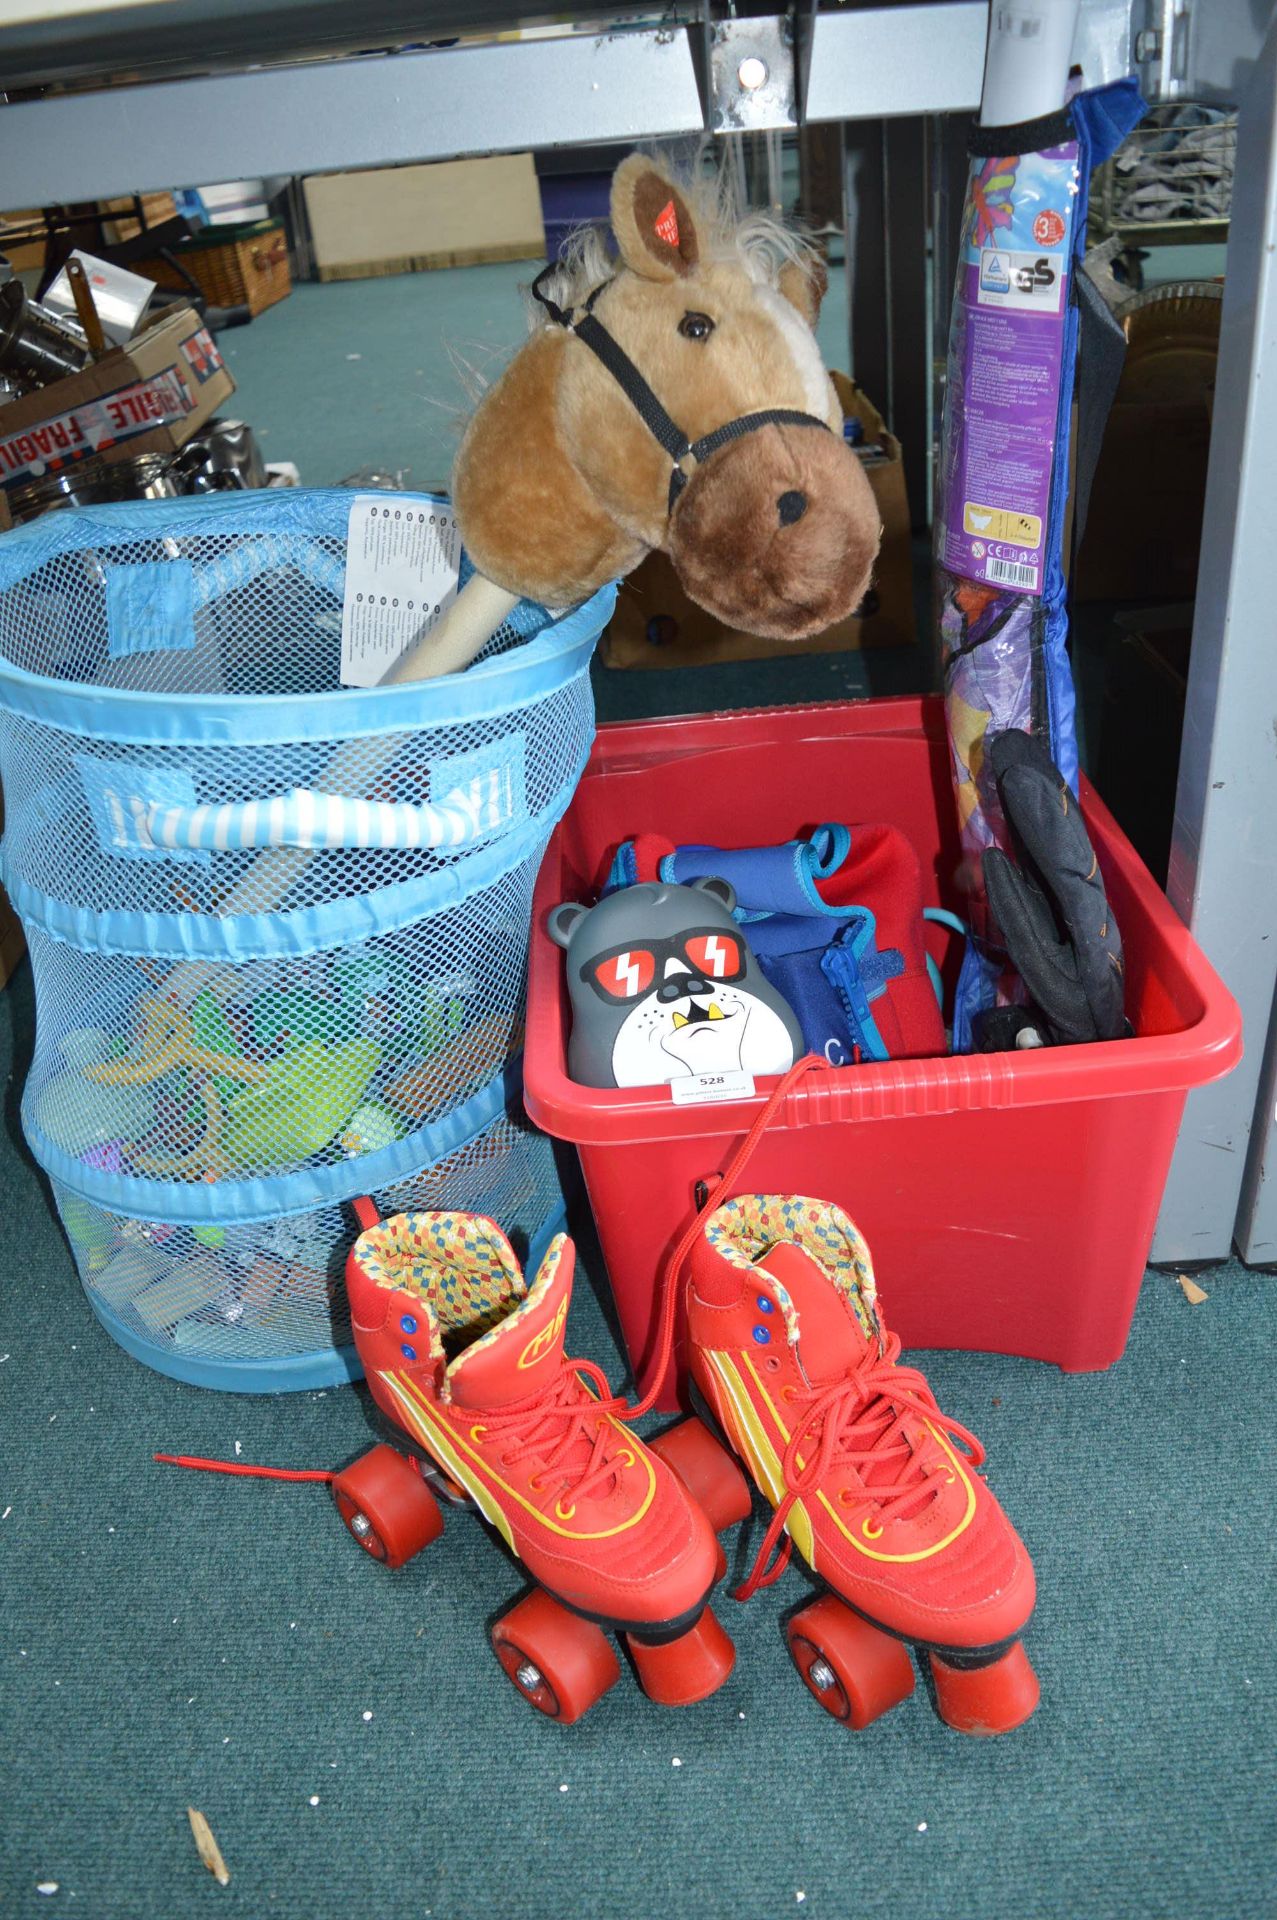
pixel 424 1412
pixel 857 1540
pixel 763 1459
pixel 436 1441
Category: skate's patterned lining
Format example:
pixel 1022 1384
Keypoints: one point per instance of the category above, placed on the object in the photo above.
pixel 461 1267
pixel 540 1287
pixel 742 1230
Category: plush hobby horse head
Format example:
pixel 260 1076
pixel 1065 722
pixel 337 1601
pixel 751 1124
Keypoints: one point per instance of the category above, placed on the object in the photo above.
pixel 673 398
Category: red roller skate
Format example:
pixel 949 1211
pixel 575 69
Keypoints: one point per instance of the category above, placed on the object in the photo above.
pixel 869 1480
pixel 469 1362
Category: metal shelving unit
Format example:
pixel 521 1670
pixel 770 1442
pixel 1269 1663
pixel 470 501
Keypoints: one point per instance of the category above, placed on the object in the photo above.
pixel 111 99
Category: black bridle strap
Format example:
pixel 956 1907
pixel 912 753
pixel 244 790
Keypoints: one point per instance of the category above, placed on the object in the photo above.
pixel 593 334
pixel 774 417
pixel 735 430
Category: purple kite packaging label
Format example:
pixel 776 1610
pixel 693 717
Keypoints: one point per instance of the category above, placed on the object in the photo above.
pixel 1006 356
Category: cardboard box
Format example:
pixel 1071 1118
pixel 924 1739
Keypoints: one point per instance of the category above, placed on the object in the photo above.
pixel 1137 743
pixel 13 942
pixel 656 625
pixel 24 256
pixel 1144 520
pixel 156 209
pixel 28 255
pixel 455 213
pixel 148 397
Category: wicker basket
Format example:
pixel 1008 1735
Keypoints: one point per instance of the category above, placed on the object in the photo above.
pixel 234 266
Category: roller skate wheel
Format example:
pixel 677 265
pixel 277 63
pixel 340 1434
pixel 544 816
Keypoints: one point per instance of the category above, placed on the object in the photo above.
pixel 387 1507
pixel 989 1699
pixel 856 1672
pixel 708 1472
pixel 680 1672
pixel 559 1662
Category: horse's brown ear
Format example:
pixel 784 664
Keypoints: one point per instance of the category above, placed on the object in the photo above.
pixel 652 221
pixel 803 284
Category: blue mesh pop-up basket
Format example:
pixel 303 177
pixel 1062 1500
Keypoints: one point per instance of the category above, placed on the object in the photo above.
pixel 278 926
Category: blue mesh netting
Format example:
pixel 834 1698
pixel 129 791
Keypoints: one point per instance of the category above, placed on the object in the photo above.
pixel 351 1049
pixel 231 1031
pixel 260 1306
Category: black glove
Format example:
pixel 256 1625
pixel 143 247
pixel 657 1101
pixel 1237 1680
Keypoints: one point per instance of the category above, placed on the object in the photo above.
pixel 1056 922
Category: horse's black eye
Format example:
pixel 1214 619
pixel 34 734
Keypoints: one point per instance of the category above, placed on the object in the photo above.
pixel 696 326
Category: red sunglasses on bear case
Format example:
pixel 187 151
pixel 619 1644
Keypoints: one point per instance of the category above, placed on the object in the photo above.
pixel 626 974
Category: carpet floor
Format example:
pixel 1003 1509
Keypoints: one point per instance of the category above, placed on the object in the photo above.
pixel 172 1639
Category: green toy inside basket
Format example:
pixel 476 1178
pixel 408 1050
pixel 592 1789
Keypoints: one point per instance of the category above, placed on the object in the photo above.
pixel 260 1306
pixel 278 925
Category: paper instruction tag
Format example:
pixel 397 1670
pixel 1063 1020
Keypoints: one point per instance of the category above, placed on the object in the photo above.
pixel 402 563
pixel 702 1089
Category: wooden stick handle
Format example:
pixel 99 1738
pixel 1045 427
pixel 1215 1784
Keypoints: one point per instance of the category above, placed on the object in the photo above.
pixel 86 307
pixel 464 630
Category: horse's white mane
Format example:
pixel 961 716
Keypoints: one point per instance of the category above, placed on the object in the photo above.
pixel 761 243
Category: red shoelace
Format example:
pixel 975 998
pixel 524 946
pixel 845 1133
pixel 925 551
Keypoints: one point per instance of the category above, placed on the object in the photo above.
pixel 556 1422
pixel 568 1411
pixel 856 1421
pixel 242 1467
pixel 669 1285
pixel 861 1421
pixel 565 1425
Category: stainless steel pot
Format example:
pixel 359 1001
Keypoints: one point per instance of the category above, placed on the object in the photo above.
pixel 143 476
pixel 222 457
pixel 34 343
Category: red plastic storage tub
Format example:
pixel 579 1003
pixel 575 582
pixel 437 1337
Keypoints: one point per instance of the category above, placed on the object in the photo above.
pixel 1009 1199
